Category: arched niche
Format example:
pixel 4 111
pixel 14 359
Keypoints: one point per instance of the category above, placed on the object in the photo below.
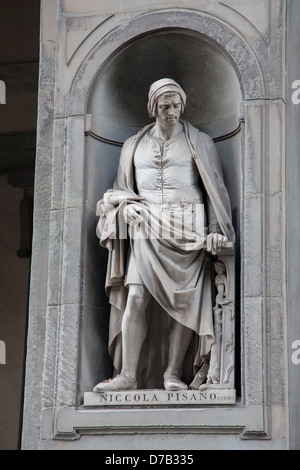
pixel 118 100
pixel 117 106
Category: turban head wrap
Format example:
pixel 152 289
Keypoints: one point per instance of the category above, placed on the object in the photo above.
pixel 158 88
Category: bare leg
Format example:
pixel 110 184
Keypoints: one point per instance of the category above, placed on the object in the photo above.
pixel 180 337
pixel 133 336
pixel 134 329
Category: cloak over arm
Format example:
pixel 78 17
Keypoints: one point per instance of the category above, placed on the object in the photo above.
pixel 210 169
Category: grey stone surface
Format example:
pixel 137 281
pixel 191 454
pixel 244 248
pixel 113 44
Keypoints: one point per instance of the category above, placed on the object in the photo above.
pixel 90 36
pixel 291 206
pixel 40 253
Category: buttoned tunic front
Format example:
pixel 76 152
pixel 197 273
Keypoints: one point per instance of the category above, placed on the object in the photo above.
pixel 166 172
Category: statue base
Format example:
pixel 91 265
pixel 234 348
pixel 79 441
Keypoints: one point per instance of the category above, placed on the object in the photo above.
pixel 150 398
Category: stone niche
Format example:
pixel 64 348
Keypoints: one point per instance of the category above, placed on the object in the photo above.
pixel 231 68
pixel 117 109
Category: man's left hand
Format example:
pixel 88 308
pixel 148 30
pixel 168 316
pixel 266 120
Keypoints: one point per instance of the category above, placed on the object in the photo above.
pixel 214 242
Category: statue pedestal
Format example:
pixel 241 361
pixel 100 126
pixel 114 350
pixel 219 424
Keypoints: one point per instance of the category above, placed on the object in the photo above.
pixel 208 396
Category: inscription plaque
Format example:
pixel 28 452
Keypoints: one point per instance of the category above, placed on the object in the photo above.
pixel 213 396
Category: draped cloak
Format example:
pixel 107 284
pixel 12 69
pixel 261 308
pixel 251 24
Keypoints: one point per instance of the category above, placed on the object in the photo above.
pixel 190 303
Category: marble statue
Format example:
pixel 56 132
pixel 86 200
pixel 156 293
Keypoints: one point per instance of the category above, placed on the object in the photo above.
pixel 167 173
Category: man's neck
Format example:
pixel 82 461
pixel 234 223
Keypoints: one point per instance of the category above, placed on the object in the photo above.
pixel 166 133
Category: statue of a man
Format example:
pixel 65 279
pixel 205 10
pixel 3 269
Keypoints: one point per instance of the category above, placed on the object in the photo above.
pixel 167 171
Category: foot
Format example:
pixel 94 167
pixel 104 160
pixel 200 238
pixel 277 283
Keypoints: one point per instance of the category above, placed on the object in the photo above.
pixel 200 377
pixel 173 383
pixel 120 382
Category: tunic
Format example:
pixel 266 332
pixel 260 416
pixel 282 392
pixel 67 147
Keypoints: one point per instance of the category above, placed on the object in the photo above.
pixel 166 174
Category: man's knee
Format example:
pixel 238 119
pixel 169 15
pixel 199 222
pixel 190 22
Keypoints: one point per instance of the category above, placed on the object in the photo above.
pixel 138 297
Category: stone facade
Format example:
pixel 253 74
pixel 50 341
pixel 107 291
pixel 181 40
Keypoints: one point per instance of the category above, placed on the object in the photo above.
pixel 96 59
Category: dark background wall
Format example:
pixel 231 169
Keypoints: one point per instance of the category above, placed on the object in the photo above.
pixel 19 56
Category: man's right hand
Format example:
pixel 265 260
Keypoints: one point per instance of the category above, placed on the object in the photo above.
pixel 132 214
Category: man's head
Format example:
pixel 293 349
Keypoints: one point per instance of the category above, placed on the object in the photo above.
pixel 168 109
pixel 168 89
